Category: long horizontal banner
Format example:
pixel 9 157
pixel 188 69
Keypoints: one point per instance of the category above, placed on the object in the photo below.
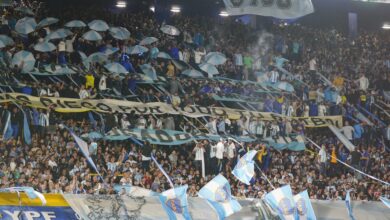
pixel 157 108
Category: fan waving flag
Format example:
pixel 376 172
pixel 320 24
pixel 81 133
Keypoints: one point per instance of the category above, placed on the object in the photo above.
pixel 304 208
pixel 349 206
pixel 281 200
pixel 245 168
pixel 174 201
pixel 218 194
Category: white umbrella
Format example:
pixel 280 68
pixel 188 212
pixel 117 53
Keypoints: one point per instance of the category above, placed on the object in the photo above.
pixel 25 25
pixel 2 44
pixel 97 57
pixel 120 33
pixel 92 36
pixel 111 50
pixel 137 49
pixel 75 24
pixel 47 21
pixel 6 40
pixel 58 34
pixel 24 59
pixel 149 71
pixel 148 40
pixel 192 73
pixel 210 69
pixel 116 68
pixel 170 30
pixel 164 55
pixel 98 25
pixel 44 47
pixel 215 58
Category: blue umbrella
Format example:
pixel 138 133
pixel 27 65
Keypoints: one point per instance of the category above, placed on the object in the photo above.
pixel 215 58
pixel 25 25
pixel 24 59
pixel 149 71
pixel 192 73
pixel 170 30
pixel 119 33
pixel 6 3
pixel 44 47
pixel 210 69
pixel 164 55
pixel 111 50
pixel 25 10
pixel 58 34
pixel 47 22
pixel 92 36
pixel 116 68
pixel 2 44
pixel 148 40
pixel 98 25
pixel 6 40
pixel 59 70
pixel 97 57
pixel 75 24
pixel 137 49
pixel 285 86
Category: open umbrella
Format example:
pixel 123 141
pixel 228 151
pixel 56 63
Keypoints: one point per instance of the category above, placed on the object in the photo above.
pixel 210 69
pixel 2 44
pixel 6 40
pixel 119 33
pixel 285 86
pixel 58 34
pixel 24 59
pixel 149 71
pixel 47 22
pixel 44 47
pixel 75 24
pixel 58 69
pixel 25 10
pixel 170 30
pixel 148 40
pixel 192 73
pixel 137 49
pixel 92 36
pixel 98 25
pixel 25 25
pixel 116 68
pixel 6 3
pixel 215 58
pixel 164 55
pixel 97 57
pixel 111 50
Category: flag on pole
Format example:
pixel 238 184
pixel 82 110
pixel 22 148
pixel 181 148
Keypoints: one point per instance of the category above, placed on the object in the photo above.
pixel 281 200
pixel 174 201
pixel 7 132
pixel 163 171
pixel 245 168
pixel 348 204
pixel 26 130
pixel 218 194
pixel 304 208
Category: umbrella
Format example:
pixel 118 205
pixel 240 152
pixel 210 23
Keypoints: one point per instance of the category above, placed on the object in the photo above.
pixel 6 40
pixel 6 3
pixel 97 57
pixel 44 47
pixel 137 49
pixel 25 25
pixel 111 50
pixel 82 55
pixel 75 24
pixel 209 69
pixel 98 25
pixel 64 31
pixel 164 55
pixel 192 73
pixel 92 36
pixel 170 30
pixel 25 10
pixel 115 68
pixel 215 58
pixel 148 40
pixel 47 22
pixel 120 33
pixel 2 44
pixel 26 58
pixel 149 71
pixel 285 86
pixel 59 70
pixel 58 34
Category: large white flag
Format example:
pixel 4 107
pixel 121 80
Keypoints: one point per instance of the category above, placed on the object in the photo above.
pixel 283 9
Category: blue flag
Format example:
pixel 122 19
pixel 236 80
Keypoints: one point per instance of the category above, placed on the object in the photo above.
pixel 218 194
pixel 7 133
pixel 385 201
pixel 348 204
pixel 296 143
pixel 174 201
pixel 26 130
pixel 305 210
pixel 281 200
pixel 245 168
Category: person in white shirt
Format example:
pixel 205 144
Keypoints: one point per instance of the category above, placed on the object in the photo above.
pixel 363 82
pixel 274 76
pixel 231 148
pixel 274 129
pixel 141 122
pixel 199 55
pixel 199 155
pixel 313 65
pixel 348 131
pixel 103 83
pixel 322 159
pixel 260 128
pixel 83 93
pixel 220 149
pixel 322 110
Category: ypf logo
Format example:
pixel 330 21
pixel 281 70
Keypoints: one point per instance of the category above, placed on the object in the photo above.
pixel 236 3
pixel 175 205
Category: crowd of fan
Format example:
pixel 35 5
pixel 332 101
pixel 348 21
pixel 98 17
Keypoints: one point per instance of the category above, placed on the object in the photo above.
pixel 358 70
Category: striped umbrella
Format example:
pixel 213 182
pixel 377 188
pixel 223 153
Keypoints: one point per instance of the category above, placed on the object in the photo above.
pixel 137 49
pixel 25 10
pixel 75 24
pixel 116 68
pixel 92 36
pixel 47 21
pixel 149 71
pixel 98 25
pixel 148 40
pixel 25 25
pixel 210 69
pixel 170 30
pixel 97 57
pixel 23 57
pixel 119 33
pixel 44 47
pixel 215 58
pixel 164 55
pixel 192 73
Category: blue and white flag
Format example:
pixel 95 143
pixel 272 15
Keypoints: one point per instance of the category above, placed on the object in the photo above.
pixel 245 168
pixel 305 210
pixel 30 192
pixel 174 201
pixel 294 143
pixel 385 201
pixel 342 138
pixel 162 171
pixel 26 130
pixel 218 194
pixel 282 201
pixel 7 132
pixel 349 206
pixel 134 191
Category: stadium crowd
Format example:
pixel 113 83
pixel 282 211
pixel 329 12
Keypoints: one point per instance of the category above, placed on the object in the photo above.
pixel 354 77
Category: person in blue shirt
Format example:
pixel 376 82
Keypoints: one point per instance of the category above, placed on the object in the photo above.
pixel 313 109
pixel 357 133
